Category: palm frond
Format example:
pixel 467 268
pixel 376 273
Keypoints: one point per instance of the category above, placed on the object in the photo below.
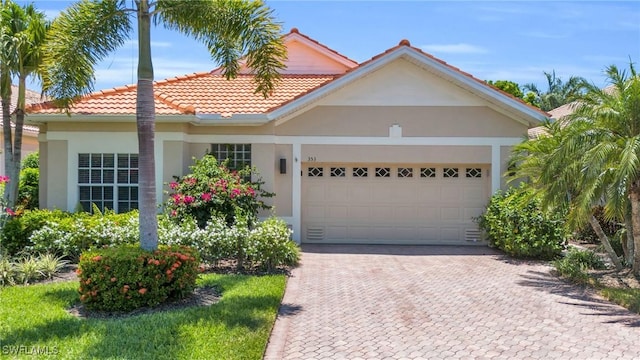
pixel 232 31
pixel 79 38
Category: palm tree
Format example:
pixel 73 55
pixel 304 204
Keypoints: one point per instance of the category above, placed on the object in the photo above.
pixel 90 29
pixel 558 92
pixel 22 37
pixel 554 165
pixel 612 160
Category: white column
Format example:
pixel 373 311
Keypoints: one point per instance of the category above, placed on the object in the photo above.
pixel 496 170
pixel 296 192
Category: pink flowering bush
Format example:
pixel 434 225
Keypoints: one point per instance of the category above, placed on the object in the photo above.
pixel 213 190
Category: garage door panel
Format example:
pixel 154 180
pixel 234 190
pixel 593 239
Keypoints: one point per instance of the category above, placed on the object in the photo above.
pixel 337 212
pixel 358 213
pixel 405 214
pixel 381 212
pixel 429 209
pixel 428 213
pixel 337 191
pixel 450 193
pixel 315 192
pixel 450 213
pixel 316 212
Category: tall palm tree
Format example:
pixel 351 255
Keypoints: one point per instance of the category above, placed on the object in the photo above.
pixel 558 92
pixel 90 29
pixel 612 161
pixel 22 38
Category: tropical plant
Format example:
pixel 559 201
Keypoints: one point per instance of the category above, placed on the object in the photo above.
pixel 558 92
pixel 22 35
pixel 91 29
pixel 596 159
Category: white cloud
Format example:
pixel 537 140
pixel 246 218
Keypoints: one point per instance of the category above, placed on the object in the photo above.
pixel 460 48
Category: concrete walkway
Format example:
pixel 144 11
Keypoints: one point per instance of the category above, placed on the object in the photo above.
pixel 421 302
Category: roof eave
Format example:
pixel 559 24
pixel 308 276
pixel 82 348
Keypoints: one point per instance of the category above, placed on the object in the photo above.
pixel 37 119
pixel 234 120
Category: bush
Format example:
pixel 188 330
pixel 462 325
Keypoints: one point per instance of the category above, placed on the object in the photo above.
pixel 31 161
pixel 71 234
pixel 17 231
pixel 28 193
pixel 267 246
pixel 515 223
pixel 125 278
pixel 575 264
pixel 271 245
pixel 212 190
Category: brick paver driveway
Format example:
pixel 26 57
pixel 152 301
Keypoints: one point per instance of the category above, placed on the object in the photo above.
pixel 419 302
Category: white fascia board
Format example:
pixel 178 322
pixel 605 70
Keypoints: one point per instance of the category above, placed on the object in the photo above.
pixel 61 118
pixel 234 120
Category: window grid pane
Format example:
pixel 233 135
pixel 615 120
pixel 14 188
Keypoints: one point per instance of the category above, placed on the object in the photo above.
pixel 239 155
pixel 97 174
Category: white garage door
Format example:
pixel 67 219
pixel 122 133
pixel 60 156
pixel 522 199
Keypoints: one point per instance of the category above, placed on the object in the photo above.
pixel 393 204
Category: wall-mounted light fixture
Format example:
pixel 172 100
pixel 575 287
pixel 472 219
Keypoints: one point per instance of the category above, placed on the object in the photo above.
pixel 283 166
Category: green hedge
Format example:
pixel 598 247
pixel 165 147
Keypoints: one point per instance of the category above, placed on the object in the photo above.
pixel 125 278
pixel 515 223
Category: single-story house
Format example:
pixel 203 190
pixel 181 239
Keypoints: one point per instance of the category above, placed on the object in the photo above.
pixel 402 149
pixel 29 132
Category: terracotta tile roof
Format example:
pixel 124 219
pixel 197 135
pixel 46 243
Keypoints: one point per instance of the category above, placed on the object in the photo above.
pixel 199 92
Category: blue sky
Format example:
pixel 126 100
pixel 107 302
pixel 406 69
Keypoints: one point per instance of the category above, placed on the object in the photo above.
pixel 496 40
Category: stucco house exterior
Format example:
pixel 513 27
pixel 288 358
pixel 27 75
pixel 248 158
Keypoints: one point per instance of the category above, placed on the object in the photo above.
pixel 401 149
pixel 29 132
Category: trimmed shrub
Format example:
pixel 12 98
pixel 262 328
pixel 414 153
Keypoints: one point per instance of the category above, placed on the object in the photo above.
pixel 270 245
pixel 515 223
pixel 125 278
pixel 31 161
pixel 73 234
pixel 212 190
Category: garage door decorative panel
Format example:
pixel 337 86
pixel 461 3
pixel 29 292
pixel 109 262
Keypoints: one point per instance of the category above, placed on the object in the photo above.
pixel 392 203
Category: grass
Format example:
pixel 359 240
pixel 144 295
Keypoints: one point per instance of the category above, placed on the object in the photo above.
pixel 629 298
pixel 34 318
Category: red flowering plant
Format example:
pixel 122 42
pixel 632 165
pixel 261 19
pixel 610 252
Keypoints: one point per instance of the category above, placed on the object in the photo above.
pixel 214 190
pixel 126 277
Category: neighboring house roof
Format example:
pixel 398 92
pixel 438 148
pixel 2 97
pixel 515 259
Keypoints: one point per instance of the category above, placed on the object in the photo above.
pixel 31 97
pixel 313 70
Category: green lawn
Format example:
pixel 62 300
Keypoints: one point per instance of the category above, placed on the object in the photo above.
pixel 34 318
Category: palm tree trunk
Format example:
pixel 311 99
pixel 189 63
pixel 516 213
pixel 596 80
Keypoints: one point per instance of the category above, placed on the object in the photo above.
pixel 13 166
pixel 634 195
pixel 605 241
pixel 630 246
pixel 6 129
pixel 145 119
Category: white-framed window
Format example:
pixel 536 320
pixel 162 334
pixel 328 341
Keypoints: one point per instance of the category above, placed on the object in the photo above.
pixel 110 181
pixel 239 155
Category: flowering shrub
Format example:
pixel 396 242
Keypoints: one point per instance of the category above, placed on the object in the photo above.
pixel 72 234
pixel 270 245
pixel 125 278
pixel 212 190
